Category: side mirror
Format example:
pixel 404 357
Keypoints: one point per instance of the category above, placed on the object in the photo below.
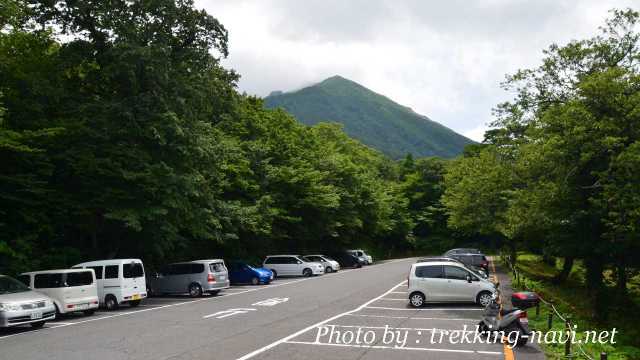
pixel 468 278
pixel 299 262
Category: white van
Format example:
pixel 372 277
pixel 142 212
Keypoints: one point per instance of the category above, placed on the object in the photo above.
pixel 446 281
pixel 71 290
pixel 119 281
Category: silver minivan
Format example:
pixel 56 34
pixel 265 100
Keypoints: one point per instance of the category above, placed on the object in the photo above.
pixel 20 305
pixel 193 277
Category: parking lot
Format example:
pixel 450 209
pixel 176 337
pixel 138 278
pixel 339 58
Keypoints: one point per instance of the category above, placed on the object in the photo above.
pixel 352 314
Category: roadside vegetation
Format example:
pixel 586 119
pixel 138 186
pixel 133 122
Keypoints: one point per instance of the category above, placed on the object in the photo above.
pixel 573 299
pixel 559 176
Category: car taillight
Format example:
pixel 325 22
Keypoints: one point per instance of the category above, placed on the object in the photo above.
pixel 211 278
pixel 95 302
pixel 70 306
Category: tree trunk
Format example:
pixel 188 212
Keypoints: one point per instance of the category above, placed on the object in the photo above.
pixel 567 266
pixel 621 283
pixel 595 286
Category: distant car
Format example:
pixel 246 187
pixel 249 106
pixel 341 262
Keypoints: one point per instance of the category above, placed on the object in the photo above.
pixel 72 290
pixel 193 277
pixel 243 273
pixel 347 260
pixel 329 264
pixel 473 260
pixel 120 281
pixel 360 253
pixel 444 281
pixel 292 265
pixel 462 251
pixel 20 305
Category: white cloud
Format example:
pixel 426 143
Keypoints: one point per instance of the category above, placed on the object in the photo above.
pixel 443 59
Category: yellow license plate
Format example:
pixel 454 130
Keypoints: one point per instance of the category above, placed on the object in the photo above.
pixel 135 297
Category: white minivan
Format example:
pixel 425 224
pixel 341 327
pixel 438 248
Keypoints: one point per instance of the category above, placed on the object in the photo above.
pixel 443 281
pixel 292 265
pixel 71 290
pixel 119 281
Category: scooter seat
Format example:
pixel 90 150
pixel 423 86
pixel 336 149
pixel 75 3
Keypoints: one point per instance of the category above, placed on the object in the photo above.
pixel 504 312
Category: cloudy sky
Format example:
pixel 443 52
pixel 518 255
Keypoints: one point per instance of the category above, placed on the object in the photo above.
pixel 444 59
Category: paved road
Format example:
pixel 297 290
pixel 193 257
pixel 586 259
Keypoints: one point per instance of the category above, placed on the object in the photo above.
pixel 353 314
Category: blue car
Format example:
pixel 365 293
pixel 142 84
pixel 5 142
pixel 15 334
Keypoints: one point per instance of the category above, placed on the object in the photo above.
pixel 243 273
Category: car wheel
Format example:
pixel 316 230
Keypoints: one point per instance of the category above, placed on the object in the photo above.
pixel 195 290
pixel 255 281
pixel 134 303
pixel 307 272
pixel 38 325
pixel 416 299
pixel 328 270
pixel 484 298
pixel 110 302
pixel 89 312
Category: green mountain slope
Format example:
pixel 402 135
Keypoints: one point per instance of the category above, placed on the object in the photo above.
pixel 371 118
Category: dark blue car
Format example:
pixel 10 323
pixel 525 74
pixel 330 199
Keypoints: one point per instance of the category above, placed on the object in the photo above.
pixel 243 273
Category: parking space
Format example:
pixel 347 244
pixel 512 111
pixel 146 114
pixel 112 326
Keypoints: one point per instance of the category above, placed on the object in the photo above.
pixel 154 303
pixel 385 327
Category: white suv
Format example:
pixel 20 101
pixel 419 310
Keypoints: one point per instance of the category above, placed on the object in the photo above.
pixel 329 264
pixel 292 265
pixel 442 281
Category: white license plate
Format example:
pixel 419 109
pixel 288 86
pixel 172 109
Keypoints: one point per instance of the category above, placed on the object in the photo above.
pixel 223 277
pixel 36 315
pixel 524 320
pixel 81 307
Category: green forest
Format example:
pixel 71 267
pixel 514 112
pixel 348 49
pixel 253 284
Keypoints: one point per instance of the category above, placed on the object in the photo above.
pixel 122 135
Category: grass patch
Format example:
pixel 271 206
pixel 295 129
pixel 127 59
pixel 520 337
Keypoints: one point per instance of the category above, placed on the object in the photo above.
pixel 571 299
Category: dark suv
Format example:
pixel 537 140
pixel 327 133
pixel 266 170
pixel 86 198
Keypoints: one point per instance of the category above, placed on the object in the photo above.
pixel 478 260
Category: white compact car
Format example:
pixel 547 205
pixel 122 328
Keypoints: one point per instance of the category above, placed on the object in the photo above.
pixel 292 265
pixel 329 264
pixel 72 290
pixel 443 281
pixel 360 253
pixel 120 281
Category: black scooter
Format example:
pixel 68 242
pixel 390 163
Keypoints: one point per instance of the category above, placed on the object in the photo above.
pixel 512 324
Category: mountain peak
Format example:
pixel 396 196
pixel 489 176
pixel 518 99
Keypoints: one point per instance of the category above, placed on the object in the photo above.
pixel 371 118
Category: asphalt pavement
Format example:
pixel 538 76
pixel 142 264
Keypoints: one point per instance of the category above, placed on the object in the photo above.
pixel 352 314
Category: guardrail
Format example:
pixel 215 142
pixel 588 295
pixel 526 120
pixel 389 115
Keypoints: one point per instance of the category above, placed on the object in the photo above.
pixel 549 303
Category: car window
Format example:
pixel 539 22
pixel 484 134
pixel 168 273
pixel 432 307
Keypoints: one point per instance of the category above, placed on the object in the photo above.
pixel 430 271
pixel 9 285
pixel 81 278
pixel 25 279
pixel 111 271
pixel 456 273
pixel 197 268
pixel 132 270
pixel 271 260
pixel 216 267
pixel 98 271
pixel 48 281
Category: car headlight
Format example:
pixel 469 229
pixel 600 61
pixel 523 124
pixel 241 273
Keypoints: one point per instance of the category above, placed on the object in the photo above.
pixel 9 307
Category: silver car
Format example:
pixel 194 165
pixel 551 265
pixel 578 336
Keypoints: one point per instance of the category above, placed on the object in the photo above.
pixel 19 305
pixel 193 277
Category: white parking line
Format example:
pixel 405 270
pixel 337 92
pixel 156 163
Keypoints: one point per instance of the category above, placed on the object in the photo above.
pixel 422 309
pixel 388 327
pixel 183 303
pixel 410 317
pixel 399 292
pixel 396 348
pixel 392 299
pixel 297 333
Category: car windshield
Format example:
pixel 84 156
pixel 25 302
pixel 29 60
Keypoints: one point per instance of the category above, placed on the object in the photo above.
pixel 10 285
